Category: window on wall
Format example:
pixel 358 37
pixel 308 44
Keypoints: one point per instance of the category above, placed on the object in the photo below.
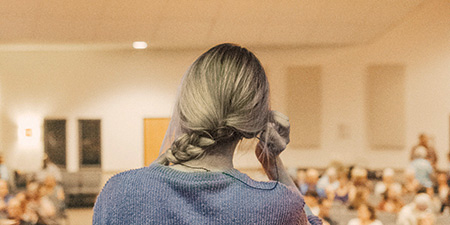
pixel 55 141
pixel 90 143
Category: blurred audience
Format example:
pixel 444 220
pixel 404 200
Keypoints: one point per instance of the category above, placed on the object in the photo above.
pixel 422 169
pixel 329 180
pixel 312 200
pixel 442 188
pixel 418 196
pixel 40 202
pixel 418 212
pixel 324 212
pixel 430 152
pixel 16 211
pixel 342 192
pixel 410 185
pixel 392 201
pixel 49 169
pixel 359 189
pixel 310 184
pixel 387 180
pixel 366 216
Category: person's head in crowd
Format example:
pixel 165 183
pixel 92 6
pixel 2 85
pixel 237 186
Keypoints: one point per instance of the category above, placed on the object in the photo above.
pixel 50 182
pixel 359 176
pixel 388 176
pixel 420 152
pixel 33 190
pixel 4 191
pixel 422 202
pixel 312 176
pixel 1 159
pixel 21 196
pixel 392 201
pixel 393 192
pixel 15 209
pixel 332 175
pixel 366 213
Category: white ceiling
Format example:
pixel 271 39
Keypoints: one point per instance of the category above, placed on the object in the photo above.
pixel 175 24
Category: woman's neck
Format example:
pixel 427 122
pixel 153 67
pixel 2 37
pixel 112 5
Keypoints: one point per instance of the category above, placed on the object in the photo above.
pixel 219 158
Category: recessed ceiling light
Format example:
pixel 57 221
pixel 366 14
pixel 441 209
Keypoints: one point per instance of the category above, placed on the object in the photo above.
pixel 140 45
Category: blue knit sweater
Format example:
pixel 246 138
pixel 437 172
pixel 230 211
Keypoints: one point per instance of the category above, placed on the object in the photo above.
pixel 161 195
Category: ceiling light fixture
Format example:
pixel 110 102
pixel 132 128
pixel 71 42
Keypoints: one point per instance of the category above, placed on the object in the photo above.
pixel 140 45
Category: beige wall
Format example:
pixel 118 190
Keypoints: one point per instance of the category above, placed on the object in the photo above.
pixel 123 87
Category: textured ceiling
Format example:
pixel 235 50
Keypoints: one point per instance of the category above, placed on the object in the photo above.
pixel 172 24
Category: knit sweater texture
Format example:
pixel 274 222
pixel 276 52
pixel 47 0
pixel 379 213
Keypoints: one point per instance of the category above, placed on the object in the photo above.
pixel 159 194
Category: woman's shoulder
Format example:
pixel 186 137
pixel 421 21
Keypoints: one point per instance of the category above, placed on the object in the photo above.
pixel 130 177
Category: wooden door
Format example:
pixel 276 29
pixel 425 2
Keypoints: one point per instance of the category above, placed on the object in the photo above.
pixel 154 131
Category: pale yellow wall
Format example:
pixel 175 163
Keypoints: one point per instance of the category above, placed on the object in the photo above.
pixel 421 43
pixel 120 88
pixel 123 87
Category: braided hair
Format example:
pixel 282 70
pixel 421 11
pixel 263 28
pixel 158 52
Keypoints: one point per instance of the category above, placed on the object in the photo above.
pixel 224 97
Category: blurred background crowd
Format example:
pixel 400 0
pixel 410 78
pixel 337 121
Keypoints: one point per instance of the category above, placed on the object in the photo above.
pixel 354 195
pixel 36 198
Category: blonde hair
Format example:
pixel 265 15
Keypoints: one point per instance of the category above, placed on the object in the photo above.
pixel 224 97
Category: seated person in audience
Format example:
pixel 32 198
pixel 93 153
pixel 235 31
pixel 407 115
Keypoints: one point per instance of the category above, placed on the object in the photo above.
pixel 28 214
pixel 49 169
pixel 423 169
pixel 366 216
pixel 387 180
pixel 39 203
pixel 392 201
pixel 16 211
pixel 329 180
pixel 341 193
pixel 411 185
pixel 55 193
pixel 324 212
pixel 359 190
pixel 418 212
pixel 311 179
pixel 442 188
pixel 330 193
pixel 312 200
pixel 4 198
pixel 445 205
pixel 360 197
pixel 430 152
